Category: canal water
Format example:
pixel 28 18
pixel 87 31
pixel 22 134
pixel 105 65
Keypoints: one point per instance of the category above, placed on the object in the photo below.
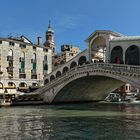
pixel 87 121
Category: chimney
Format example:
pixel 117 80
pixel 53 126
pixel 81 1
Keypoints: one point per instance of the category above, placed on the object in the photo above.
pixel 39 41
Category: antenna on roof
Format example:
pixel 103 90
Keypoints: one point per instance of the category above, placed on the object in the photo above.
pixel 10 35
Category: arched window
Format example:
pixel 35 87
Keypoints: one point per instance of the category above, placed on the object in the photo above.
pixel 52 77
pixel 58 74
pixel 117 55
pixel 82 60
pixel 22 84
pixel 22 55
pixel 1 85
pixel 73 64
pixel 10 52
pixel 65 69
pixel 132 55
pixel 34 56
pixel 45 58
pixel 0 54
pixel 11 85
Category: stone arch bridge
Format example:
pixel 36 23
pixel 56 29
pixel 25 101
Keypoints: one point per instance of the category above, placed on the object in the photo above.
pixel 89 82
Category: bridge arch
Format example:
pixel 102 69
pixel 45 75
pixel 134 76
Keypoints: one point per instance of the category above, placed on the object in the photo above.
pixel 52 77
pixel 65 69
pixel 73 64
pixel 132 55
pixel 58 74
pixel 117 55
pixel 86 88
pixel 82 60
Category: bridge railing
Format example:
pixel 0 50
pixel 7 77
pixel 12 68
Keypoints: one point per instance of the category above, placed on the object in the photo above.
pixel 104 66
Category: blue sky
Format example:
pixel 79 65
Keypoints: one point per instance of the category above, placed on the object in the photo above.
pixel 72 20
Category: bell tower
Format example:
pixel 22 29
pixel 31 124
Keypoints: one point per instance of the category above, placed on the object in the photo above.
pixel 50 38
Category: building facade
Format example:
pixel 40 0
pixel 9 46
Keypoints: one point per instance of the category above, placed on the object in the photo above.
pixel 112 47
pixel 108 46
pixel 67 53
pixel 23 64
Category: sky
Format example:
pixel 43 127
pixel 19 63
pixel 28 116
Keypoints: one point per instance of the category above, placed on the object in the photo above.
pixel 72 20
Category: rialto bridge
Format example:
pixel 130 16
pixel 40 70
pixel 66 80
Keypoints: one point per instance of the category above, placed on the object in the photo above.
pixel 89 82
pixel 110 61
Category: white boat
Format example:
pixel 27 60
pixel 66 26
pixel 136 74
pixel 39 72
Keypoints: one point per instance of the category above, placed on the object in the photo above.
pixel 5 102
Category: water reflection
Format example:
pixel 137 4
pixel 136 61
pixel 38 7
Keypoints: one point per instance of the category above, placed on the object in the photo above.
pixel 68 122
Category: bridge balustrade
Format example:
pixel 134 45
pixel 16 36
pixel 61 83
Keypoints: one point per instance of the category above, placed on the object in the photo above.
pixel 89 67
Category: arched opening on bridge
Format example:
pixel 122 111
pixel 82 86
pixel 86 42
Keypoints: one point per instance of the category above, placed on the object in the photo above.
pixel 58 74
pixel 65 69
pixel 87 88
pixel 73 64
pixel 117 55
pixel 132 55
pixel 46 81
pixel 52 77
pixel 97 49
pixel 82 60
pixel 1 85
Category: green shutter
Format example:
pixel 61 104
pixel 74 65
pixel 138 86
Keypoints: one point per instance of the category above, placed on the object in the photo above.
pixel 45 66
pixel 34 66
pixel 23 65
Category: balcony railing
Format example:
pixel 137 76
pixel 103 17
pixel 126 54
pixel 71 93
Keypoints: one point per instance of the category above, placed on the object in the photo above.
pixel 33 72
pixel 21 59
pixel 21 70
pixel 10 69
pixel 9 58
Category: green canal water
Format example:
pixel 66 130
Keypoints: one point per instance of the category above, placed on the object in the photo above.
pixel 87 121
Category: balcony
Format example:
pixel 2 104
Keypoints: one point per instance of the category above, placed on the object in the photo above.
pixel 9 58
pixel 21 71
pixel 22 75
pixel 33 76
pixel 33 72
pixel 21 59
pixel 10 69
pixel 33 60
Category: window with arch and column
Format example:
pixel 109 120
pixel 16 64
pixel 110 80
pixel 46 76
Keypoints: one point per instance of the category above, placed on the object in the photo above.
pixel 132 55
pixel 73 64
pixel 117 55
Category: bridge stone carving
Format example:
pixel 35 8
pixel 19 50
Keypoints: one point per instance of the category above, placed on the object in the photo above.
pixel 89 82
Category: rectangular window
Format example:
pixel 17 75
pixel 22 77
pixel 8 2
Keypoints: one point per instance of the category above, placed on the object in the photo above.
pixel 34 47
pixel 22 76
pixel 33 76
pixel 11 43
pixel 0 54
pixel 22 46
pixel 0 41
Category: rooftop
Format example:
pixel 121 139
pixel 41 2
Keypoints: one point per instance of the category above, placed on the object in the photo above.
pixel 123 38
